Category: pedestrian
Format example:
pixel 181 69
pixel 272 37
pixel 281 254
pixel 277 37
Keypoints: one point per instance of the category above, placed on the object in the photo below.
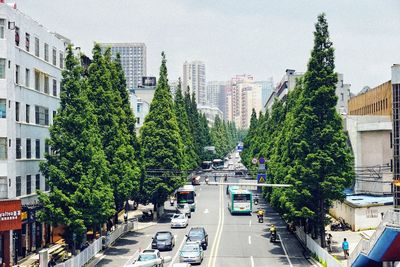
pixel 215 178
pixel 345 247
pixel 329 242
pixel 126 217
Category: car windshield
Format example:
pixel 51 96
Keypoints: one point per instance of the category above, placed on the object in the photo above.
pixel 190 248
pixel 196 234
pixel 162 236
pixel 178 216
pixel 147 257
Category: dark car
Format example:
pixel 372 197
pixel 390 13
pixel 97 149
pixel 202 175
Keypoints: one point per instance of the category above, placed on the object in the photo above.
pixel 198 234
pixel 163 241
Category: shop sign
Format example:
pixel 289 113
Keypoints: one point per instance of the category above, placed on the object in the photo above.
pixel 10 215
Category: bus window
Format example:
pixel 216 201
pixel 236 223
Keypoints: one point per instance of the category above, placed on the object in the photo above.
pixel 241 197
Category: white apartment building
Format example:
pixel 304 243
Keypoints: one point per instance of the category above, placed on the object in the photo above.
pixel 216 94
pixel 211 113
pixel 31 61
pixel 194 76
pixel 133 60
pixel 140 108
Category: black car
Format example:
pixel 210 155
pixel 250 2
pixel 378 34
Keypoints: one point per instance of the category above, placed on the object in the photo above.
pixel 198 234
pixel 163 241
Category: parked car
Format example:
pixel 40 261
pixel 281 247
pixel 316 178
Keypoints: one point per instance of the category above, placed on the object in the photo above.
pixel 184 208
pixel 150 255
pixel 163 241
pixel 179 220
pixel 198 234
pixel 191 252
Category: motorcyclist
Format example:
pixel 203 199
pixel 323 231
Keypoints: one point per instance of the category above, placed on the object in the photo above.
pixel 225 178
pixel 272 229
pixel 260 213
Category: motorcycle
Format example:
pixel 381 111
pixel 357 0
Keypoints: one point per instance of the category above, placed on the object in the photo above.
pixel 260 218
pixel 147 216
pixel 340 225
pixel 171 202
pixel 272 238
pixel 256 201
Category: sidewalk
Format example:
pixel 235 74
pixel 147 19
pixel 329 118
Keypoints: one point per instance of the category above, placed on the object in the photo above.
pixel 33 259
pixel 352 237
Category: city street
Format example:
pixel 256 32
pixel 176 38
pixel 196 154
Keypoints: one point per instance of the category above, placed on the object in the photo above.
pixel 233 240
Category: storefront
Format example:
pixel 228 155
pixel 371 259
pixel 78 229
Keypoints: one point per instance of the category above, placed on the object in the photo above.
pixel 10 225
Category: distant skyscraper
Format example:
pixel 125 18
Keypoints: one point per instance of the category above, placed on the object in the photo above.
pixel 133 60
pixel 194 76
pixel 216 94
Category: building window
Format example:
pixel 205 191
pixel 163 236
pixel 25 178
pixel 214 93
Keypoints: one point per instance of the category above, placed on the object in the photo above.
pixel 138 108
pixel 18 186
pixel 3 106
pixel 27 41
pixel 27 113
pixel 54 87
pixel 16 36
pixel 3 148
pixel 61 60
pixel 37 181
pixel 2 28
pixel 27 77
pixel 54 56
pixel 2 68
pixel 17 68
pixel 17 111
pixel 46 147
pixel 37 47
pixel 138 120
pixel 28 148
pixel 37 148
pixel 28 185
pixel 46 84
pixel 46 52
pixel 41 115
pixel 18 148
pixel 37 80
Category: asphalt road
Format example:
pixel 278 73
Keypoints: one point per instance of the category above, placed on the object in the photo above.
pixel 233 240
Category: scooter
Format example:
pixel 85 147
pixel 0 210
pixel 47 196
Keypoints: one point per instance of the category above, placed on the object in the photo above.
pixel 260 218
pixel 146 216
pixel 171 202
pixel 256 201
pixel 207 180
pixel 272 238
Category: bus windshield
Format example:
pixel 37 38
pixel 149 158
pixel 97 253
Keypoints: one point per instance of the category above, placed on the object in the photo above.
pixel 241 197
pixel 206 165
pixel 185 197
pixel 218 164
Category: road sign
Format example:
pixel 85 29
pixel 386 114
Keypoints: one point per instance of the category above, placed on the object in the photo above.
pixel 261 178
pixel 261 160
pixel 254 161
pixel 239 148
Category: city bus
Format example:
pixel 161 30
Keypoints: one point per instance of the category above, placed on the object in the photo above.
pixel 186 194
pixel 240 200
pixel 206 166
pixel 218 164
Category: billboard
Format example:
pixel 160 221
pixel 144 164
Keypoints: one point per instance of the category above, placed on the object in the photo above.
pixel 10 215
pixel 149 81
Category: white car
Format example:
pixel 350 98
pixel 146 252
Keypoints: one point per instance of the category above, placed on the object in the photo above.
pixel 179 220
pixel 151 256
pixel 191 252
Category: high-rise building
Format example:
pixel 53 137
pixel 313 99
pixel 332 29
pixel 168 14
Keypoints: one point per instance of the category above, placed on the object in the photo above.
pixel 31 61
pixel 194 76
pixel 396 133
pixel 216 94
pixel 133 60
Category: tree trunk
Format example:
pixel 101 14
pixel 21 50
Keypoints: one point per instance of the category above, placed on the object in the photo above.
pixel 322 223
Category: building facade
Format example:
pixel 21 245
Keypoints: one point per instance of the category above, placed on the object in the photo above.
pixel 140 109
pixel 396 133
pixel 31 61
pixel 211 113
pixel 194 76
pixel 375 101
pixel 216 94
pixel 133 60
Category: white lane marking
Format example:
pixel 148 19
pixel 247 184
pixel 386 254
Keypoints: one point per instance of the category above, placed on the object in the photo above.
pixel 131 259
pixel 252 261
pixel 250 223
pixel 198 194
pixel 206 211
pixel 284 249
pixel 249 239
pixel 213 258
pixel 177 252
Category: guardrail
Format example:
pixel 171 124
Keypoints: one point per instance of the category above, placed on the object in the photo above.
pixel 105 241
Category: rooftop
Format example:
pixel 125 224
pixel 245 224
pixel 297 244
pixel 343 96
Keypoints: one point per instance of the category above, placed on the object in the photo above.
pixel 367 200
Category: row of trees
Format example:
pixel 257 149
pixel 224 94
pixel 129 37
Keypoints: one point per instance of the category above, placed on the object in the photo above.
pixel 304 142
pixel 97 163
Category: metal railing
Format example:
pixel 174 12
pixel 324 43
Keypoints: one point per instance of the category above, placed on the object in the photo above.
pixel 122 229
pixel 391 218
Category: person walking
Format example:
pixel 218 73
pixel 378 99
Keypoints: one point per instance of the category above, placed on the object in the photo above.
pixel 329 242
pixel 215 177
pixel 345 247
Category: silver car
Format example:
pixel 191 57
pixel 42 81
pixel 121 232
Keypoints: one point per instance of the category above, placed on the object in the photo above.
pixel 191 252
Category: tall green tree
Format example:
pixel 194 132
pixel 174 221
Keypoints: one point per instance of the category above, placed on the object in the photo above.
pixel 76 170
pixel 191 159
pixel 162 148
pixel 115 124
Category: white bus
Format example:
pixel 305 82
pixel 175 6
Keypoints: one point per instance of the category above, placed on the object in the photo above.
pixel 240 200
pixel 186 194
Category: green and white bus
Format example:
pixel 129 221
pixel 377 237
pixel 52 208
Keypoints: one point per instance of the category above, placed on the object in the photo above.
pixel 186 194
pixel 240 200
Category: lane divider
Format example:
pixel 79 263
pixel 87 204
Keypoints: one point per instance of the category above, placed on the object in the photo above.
pixel 284 250
pixel 217 240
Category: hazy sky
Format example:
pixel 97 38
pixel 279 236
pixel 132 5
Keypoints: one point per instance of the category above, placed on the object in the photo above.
pixel 259 37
